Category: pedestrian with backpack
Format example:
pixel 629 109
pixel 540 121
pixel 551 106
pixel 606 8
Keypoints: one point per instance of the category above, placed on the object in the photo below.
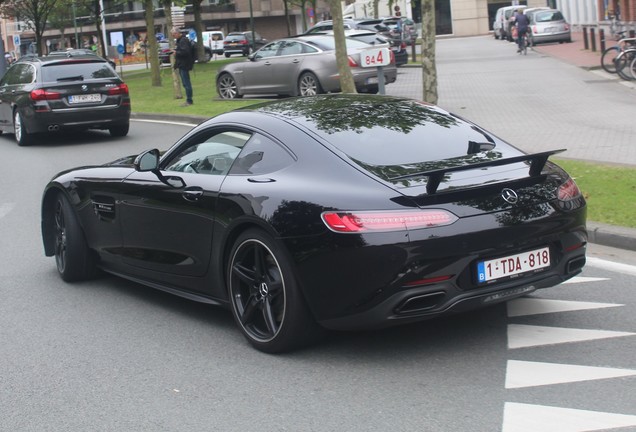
pixel 183 61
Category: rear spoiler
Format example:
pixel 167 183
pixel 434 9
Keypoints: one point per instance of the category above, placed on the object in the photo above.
pixel 435 177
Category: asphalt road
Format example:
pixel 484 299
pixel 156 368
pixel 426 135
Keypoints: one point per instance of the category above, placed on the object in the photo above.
pixel 110 355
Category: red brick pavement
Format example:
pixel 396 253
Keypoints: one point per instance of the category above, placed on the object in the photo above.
pixel 574 52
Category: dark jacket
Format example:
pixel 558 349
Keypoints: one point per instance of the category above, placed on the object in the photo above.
pixel 522 22
pixel 183 58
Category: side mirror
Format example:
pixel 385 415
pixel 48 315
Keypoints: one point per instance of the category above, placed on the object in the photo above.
pixel 147 161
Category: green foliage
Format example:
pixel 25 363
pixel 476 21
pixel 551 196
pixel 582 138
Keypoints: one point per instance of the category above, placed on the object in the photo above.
pixel 610 191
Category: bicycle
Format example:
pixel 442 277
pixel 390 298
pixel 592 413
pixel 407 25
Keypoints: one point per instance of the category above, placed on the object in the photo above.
pixel 610 54
pixel 624 60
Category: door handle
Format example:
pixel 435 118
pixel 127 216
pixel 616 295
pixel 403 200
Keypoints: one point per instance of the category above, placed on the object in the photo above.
pixel 192 194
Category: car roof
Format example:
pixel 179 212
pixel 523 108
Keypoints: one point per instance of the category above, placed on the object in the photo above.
pixel 62 59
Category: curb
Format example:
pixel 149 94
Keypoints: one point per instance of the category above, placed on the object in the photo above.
pixel 598 233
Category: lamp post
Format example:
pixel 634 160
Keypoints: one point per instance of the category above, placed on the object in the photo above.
pixel 252 24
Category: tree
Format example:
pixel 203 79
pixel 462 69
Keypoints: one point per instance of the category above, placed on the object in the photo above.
pixel 429 68
pixel 198 27
pixel 347 85
pixel 61 17
pixel 151 43
pixel 176 80
pixel 34 13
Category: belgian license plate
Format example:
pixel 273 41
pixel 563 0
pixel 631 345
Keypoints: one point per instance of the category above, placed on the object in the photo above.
pixel 372 80
pixel 84 98
pixel 513 264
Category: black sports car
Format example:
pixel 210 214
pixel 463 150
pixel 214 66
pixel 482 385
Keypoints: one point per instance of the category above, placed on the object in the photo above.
pixel 334 211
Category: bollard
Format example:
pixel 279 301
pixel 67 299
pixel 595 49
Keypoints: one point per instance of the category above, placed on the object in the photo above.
pixel 601 36
pixel 592 40
pixel 586 45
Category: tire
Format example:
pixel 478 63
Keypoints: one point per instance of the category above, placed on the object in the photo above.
pixel 73 258
pixel 308 85
pixel 119 130
pixel 266 301
pixel 207 56
pixel 608 57
pixel 632 68
pixel 227 55
pixel 623 62
pixel 226 87
pixel 22 137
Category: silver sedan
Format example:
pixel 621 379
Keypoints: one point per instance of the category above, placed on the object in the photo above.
pixel 304 65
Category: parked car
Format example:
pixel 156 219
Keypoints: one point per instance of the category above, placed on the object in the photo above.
pixel 372 38
pixel 336 211
pixel 549 26
pixel 301 65
pixel 406 31
pixel 502 25
pixel 213 40
pixel 372 24
pixel 49 94
pixel 79 52
pixel 242 43
pixel 164 51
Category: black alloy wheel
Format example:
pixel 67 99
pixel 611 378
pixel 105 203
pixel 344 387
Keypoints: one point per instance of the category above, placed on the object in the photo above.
pixel 74 260
pixel 266 301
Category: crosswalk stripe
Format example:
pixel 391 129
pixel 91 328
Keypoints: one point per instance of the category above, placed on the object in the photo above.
pixel 583 279
pixel 5 208
pixel 522 336
pixel 612 266
pixel 520 417
pixel 535 306
pixel 531 374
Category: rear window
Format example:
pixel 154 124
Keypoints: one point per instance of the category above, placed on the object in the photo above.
pixel 400 138
pixel 548 16
pixel 75 70
pixel 233 38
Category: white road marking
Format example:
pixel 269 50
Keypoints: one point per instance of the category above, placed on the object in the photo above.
pixel 580 279
pixel 166 122
pixel 612 266
pixel 520 417
pixel 5 209
pixel 535 306
pixel 523 336
pixel 531 374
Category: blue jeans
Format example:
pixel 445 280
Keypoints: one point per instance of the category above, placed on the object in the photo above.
pixel 187 85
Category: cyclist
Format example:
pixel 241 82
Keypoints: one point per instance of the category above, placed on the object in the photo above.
pixel 521 22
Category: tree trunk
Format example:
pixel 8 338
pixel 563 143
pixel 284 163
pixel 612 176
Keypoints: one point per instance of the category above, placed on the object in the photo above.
pixel 176 79
pixel 347 85
pixel 196 9
pixel 429 68
pixel 151 43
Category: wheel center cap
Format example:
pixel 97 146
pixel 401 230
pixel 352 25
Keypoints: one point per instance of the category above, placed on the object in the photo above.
pixel 263 289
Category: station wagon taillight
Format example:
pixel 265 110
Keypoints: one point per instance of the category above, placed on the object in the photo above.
pixel 352 62
pixel 43 94
pixel 370 221
pixel 120 89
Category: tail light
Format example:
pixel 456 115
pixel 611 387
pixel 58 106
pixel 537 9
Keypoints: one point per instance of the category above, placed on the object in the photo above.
pixel 352 62
pixel 43 94
pixel 120 89
pixel 568 191
pixel 403 45
pixel 378 221
pixel 392 57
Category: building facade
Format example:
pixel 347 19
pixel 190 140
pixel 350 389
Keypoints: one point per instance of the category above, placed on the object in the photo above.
pixel 126 23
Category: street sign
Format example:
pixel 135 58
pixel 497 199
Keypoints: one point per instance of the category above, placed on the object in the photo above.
pixel 16 40
pixel 375 57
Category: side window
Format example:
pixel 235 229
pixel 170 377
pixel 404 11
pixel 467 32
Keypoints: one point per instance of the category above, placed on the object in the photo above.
pixel 309 49
pixel 268 50
pixel 291 48
pixel 261 155
pixel 210 154
pixel 19 74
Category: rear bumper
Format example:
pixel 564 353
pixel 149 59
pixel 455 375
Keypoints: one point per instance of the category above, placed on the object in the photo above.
pixel 77 118
pixel 552 37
